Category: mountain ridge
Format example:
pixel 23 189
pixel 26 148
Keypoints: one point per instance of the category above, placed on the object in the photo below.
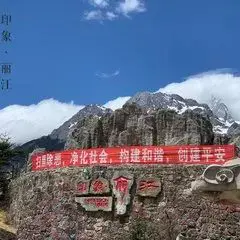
pixel 217 112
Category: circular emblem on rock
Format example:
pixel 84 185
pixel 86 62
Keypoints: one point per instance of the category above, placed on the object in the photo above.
pixel 217 174
pixel 225 176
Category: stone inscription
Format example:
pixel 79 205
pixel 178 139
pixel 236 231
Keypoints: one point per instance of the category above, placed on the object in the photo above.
pixel 122 183
pixel 148 187
pixel 82 187
pixel 99 186
pixel 95 203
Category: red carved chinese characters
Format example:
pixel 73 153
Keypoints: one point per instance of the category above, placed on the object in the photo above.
pixel 146 185
pixel 83 188
pixel 121 184
pixel 97 201
pixel 98 186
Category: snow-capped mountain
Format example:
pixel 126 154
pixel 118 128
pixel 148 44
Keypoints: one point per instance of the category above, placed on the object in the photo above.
pixel 92 109
pixel 223 122
pixel 175 102
pixel 57 138
pixel 220 110
pixel 217 111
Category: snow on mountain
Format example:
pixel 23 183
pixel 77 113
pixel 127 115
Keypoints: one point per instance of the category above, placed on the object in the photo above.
pixel 223 121
pixel 174 102
pixel 116 103
pixel 220 110
pixel 219 114
pixel 217 111
pixel 92 109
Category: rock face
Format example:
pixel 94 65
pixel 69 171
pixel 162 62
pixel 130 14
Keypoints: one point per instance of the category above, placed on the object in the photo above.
pixel 220 110
pixel 43 207
pixel 216 111
pixel 133 125
pixel 222 119
pixel 62 132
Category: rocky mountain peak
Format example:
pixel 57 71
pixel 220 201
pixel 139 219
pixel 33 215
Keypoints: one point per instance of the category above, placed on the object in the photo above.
pixel 134 125
pixel 175 102
pixel 138 119
pixel 92 109
pixel 220 110
pixel 219 114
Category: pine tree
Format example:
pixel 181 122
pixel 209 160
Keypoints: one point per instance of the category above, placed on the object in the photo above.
pixel 7 152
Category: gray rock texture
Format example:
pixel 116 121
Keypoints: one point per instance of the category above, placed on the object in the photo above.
pixel 62 132
pixel 220 110
pixel 44 208
pixel 222 119
pixel 133 125
pixel 165 101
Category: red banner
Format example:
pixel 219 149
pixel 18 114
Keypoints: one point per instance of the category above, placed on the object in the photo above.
pixel 186 154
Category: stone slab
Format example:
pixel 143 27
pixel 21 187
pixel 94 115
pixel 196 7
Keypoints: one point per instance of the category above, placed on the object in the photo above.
pixel 148 187
pixel 122 182
pixel 82 187
pixel 94 204
pixel 99 186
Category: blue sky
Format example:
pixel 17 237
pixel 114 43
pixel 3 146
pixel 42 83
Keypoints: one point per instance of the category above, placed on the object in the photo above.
pixel 94 51
pixel 56 53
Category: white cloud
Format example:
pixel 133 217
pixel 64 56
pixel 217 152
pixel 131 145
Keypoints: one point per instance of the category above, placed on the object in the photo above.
pixel 24 123
pixel 220 83
pixel 130 6
pixel 116 103
pixel 94 15
pixel 111 15
pixel 108 75
pixel 111 10
pixel 99 3
pixel 99 15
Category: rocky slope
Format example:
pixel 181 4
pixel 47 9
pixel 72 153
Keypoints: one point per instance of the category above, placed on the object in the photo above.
pixel 134 125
